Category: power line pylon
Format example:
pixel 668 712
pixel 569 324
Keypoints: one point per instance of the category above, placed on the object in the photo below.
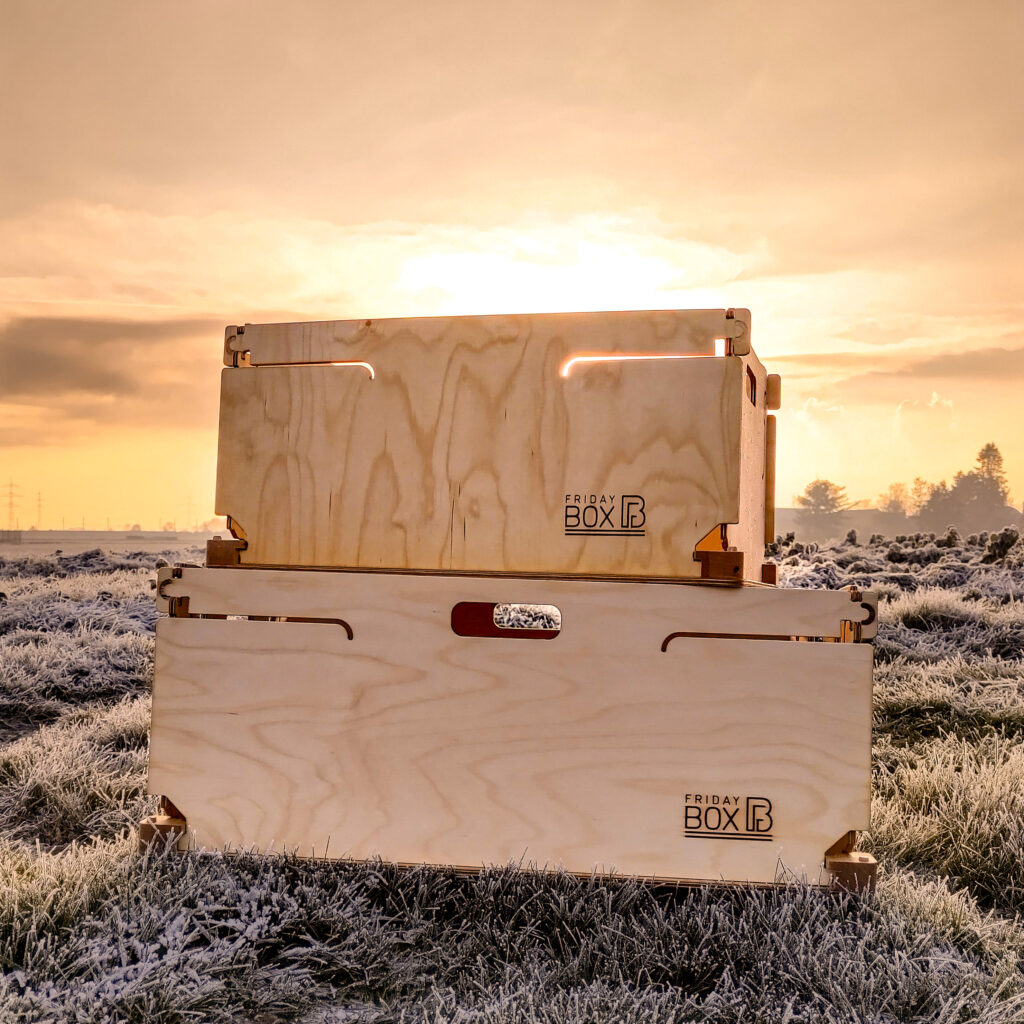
pixel 12 503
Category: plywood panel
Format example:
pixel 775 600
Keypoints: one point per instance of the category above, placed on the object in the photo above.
pixel 414 744
pixel 691 331
pixel 468 462
pixel 593 611
pixel 748 533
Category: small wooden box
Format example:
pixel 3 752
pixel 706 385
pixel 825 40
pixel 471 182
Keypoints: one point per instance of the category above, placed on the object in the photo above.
pixel 583 443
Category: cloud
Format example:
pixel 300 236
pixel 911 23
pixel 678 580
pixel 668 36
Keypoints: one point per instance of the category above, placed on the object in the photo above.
pixel 814 420
pixel 924 425
pixel 891 149
pixel 53 356
pixel 258 268
pixel 817 408
pixel 936 406
pixel 869 331
pixel 983 367
pixel 864 197
pixel 75 379
pixel 1002 364
pixel 821 362
pixel 864 369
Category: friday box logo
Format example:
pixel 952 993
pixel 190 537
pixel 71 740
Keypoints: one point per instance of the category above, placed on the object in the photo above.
pixel 605 515
pixel 724 816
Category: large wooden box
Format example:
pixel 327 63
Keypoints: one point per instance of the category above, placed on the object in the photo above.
pixel 583 444
pixel 665 729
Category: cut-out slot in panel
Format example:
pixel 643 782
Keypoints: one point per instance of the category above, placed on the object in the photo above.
pixel 356 363
pixel 283 618
pixel 583 359
pixel 729 636
pixel 514 621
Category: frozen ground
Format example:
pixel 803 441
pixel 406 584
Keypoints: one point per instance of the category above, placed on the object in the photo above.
pixel 91 932
pixel 43 543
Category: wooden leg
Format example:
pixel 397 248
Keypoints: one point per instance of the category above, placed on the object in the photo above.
pixel 853 871
pixel 167 827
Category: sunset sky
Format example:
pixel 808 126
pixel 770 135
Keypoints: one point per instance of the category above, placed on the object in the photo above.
pixel 852 173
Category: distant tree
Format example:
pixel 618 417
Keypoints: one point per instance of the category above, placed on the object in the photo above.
pixel 937 512
pixel 977 500
pixel 895 499
pixel 821 508
pixel 989 465
pixel 920 492
pixel 823 498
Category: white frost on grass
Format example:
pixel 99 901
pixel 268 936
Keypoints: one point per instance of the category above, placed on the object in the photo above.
pixel 89 931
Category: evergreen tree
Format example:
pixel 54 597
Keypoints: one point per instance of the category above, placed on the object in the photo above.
pixel 989 464
pixel 977 500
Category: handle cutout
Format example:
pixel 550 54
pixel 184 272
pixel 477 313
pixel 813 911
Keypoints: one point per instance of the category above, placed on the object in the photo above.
pixel 728 636
pixel 357 363
pixel 283 618
pixel 513 621
pixel 583 359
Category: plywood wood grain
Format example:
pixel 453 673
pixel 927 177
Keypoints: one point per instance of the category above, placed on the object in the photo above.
pixel 457 443
pixel 418 745
pixel 595 610
pixel 769 480
pixel 469 464
pixel 748 533
pixel 690 331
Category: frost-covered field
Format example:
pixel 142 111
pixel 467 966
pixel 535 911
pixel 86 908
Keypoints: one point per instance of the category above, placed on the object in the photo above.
pixel 91 932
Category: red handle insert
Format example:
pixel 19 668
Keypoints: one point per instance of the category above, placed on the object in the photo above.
pixel 476 618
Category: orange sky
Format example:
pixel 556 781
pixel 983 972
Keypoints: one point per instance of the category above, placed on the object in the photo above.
pixel 854 174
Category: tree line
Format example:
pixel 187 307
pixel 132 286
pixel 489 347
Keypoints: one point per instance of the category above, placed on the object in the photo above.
pixel 978 499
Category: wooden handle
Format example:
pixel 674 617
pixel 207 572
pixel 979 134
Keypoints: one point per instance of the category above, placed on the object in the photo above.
pixel 476 618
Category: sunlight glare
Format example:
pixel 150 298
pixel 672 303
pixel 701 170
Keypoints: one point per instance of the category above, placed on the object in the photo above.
pixel 543 273
pixel 624 357
pixel 354 362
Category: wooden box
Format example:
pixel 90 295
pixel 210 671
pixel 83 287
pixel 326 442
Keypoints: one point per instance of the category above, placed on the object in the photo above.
pixel 342 679
pixel 583 443
pixel 664 729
